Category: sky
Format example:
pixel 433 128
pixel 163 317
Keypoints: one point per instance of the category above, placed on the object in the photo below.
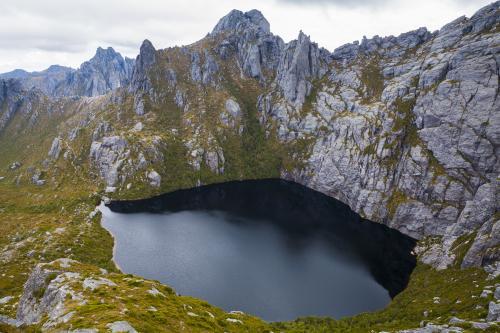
pixel 35 34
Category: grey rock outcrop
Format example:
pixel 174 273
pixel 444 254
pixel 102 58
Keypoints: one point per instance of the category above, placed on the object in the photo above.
pixel 301 62
pixel 248 37
pixel 44 294
pixel 55 148
pixel 101 130
pixel 433 328
pixel 215 161
pixel 36 178
pixel 121 326
pixel 140 82
pixel 239 21
pixel 233 113
pixel 145 60
pixel 203 69
pixel 108 155
pixel 154 178
pixel 493 312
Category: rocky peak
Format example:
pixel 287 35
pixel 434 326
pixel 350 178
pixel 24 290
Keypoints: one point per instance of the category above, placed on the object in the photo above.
pixel 110 65
pixel 106 71
pixel 237 20
pixel 140 82
pixel 484 19
pixel 100 52
pixel 146 55
pixel 390 46
pixel 145 59
pixel 300 62
pixel 104 57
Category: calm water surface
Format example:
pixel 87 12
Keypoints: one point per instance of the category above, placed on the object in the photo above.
pixel 269 248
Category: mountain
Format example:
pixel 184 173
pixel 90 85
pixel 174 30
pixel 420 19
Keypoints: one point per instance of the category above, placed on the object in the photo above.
pixel 106 71
pixel 405 130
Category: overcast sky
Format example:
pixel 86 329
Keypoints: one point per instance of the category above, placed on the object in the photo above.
pixel 35 34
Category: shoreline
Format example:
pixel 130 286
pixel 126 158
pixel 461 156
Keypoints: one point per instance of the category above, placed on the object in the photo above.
pixel 100 207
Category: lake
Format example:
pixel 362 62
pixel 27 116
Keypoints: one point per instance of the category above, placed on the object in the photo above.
pixel 270 248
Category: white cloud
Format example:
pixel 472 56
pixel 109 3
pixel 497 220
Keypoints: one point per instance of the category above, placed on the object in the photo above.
pixel 35 34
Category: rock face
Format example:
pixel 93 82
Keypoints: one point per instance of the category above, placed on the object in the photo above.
pixel 488 236
pixel 239 21
pixel 401 153
pixel 301 62
pixel 15 99
pixel 108 156
pixel 11 94
pixel 55 149
pixel 247 35
pixel 140 81
pixel 44 293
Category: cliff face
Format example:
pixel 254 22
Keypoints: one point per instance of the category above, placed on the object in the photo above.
pixel 406 130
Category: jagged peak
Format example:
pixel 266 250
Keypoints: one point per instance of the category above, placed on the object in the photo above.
pixel 108 50
pixel 485 18
pixel 147 53
pixel 303 37
pixel 238 20
pixel 107 53
pixel 146 44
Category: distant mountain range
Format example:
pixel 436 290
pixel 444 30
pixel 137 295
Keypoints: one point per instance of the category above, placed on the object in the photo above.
pixel 106 71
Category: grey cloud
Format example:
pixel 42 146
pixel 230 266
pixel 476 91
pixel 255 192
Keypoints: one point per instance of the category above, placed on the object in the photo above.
pixel 30 40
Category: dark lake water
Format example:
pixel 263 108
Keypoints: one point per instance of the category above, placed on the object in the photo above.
pixel 270 248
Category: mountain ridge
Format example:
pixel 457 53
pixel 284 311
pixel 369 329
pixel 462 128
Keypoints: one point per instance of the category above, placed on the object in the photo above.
pixel 105 71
